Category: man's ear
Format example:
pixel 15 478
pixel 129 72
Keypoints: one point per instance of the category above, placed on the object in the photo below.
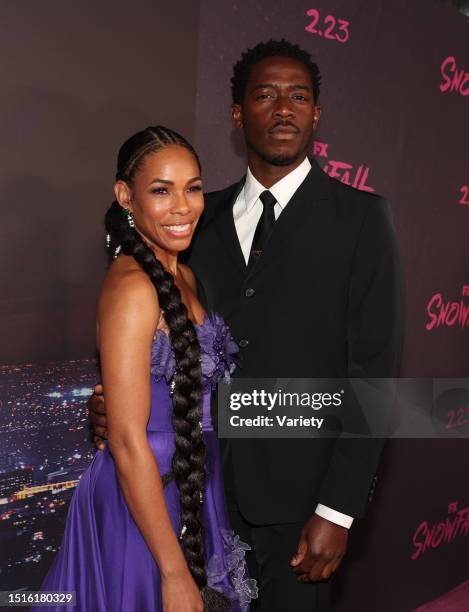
pixel 316 116
pixel 237 115
pixel 123 194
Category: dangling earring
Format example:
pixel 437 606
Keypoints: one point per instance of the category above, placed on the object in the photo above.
pixel 128 213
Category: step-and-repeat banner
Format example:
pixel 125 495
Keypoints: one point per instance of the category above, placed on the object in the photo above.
pixel 395 98
pixel 77 80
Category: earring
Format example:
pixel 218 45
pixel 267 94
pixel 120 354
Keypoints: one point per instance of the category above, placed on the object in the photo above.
pixel 108 240
pixel 128 213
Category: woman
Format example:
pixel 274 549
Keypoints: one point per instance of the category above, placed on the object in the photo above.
pixel 147 529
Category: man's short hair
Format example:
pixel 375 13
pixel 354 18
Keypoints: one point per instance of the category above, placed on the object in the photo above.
pixel 271 48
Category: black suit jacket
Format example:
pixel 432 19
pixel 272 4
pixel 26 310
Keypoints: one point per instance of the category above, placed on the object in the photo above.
pixel 326 303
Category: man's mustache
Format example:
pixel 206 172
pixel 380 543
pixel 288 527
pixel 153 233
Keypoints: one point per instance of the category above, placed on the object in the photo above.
pixel 284 124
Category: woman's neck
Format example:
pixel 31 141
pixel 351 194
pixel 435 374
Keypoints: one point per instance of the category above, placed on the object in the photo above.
pixel 168 259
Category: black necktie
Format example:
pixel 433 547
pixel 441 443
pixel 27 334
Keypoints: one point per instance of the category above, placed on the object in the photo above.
pixel 264 226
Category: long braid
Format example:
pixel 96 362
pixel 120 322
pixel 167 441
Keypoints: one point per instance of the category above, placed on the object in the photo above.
pixel 189 457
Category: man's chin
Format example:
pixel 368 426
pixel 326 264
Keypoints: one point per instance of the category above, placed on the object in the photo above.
pixel 278 157
pixel 283 158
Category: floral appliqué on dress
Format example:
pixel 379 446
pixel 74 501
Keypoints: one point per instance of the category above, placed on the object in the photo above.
pixel 218 353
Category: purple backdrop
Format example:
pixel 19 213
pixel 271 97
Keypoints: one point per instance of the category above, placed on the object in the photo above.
pixel 77 79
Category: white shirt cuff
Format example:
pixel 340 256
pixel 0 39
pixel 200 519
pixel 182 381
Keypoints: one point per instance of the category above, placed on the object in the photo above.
pixel 344 520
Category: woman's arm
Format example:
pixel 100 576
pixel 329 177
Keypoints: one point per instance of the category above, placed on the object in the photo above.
pixel 128 312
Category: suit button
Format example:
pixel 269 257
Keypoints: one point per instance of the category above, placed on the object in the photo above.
pixel 243 343
pixel 249 292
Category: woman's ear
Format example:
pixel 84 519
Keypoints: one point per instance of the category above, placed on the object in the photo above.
pixel 123 194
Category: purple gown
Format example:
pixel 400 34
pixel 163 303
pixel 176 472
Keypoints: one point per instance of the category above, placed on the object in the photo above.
pixel 103 556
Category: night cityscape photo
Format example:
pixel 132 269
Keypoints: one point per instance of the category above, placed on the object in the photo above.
pixel 44 449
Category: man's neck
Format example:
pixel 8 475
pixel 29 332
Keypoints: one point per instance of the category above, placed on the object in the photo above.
pixel 268 174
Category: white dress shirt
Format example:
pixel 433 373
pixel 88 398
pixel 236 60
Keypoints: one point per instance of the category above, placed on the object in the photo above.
pixel 247 211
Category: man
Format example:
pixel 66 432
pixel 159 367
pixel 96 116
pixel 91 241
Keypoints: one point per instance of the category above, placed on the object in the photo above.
pixel 306 272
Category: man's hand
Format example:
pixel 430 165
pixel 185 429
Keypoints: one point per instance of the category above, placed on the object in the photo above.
pixel 321 547
pixel 97 417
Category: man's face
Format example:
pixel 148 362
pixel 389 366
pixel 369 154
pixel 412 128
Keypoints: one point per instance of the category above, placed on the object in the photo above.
pixel 278 113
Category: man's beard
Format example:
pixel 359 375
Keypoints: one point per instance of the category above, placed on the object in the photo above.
pixel 283 159
pixel 280 160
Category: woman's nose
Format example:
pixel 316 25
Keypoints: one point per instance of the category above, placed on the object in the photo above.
pixel 180 205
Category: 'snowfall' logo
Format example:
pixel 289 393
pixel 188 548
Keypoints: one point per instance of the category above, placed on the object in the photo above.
pixel 446 313
pixel 454 79
pixel 343 171
pixel 428 535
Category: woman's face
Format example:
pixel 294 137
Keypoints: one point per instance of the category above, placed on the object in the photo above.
pixel 165 197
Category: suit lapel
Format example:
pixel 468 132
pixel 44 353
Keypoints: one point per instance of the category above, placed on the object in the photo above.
pixel 299 210
pixel 226 229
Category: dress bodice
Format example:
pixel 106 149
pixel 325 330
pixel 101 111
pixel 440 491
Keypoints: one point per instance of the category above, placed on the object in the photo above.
pixel 218 353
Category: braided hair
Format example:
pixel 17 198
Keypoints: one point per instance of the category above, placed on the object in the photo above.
pixel 189 456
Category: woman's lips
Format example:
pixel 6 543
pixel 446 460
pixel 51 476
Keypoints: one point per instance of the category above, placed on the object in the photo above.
pixel 179 230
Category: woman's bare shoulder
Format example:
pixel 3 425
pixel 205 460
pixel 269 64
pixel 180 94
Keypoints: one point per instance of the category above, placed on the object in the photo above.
pixel 128 291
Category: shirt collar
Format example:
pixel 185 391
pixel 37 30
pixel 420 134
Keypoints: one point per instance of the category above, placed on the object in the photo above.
pixel 282 190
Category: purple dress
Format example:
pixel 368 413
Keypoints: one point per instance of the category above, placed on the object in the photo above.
pixel 103 556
